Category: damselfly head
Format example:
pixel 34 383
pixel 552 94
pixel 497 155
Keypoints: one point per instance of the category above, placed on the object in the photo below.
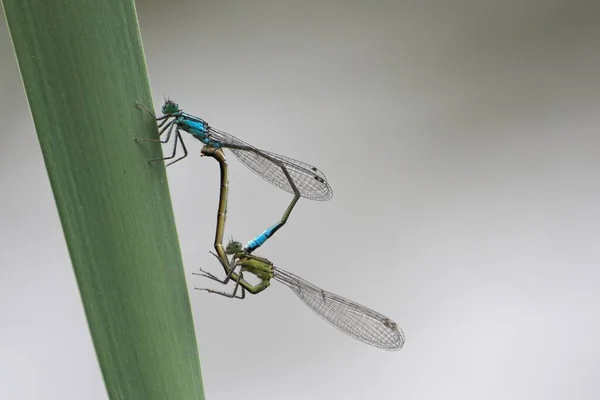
pixel 170 108
pixel 233 247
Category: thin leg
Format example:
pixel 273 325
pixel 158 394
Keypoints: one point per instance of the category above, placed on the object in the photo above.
pixel 163 122
pixel 137 103
pixel 206 274
pixel 230 295
pixel 163 126
pixel 244 284
pixel 169 126
pixel 240 282
pixel 177 139
pixel 225 294
pixel 230 266
pixel 227 266
pixel 185 152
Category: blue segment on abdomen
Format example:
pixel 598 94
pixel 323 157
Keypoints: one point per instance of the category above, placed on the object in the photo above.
pixel 199 130
pixel 261 239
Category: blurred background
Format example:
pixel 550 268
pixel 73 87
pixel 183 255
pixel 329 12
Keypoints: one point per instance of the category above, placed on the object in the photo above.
pixel 461 141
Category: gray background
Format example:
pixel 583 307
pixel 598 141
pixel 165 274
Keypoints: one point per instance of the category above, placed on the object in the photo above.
pixel 461 140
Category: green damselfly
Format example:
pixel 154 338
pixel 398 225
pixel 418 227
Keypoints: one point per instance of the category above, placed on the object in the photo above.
pixel 349 317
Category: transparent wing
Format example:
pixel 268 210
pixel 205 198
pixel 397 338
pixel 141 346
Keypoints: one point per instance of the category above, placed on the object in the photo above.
pixel 349 317
pixel 310 181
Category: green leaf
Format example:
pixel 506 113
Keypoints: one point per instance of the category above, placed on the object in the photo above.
pixel 83 68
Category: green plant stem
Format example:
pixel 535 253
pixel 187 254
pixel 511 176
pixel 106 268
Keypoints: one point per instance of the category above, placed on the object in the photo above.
pixel 83 68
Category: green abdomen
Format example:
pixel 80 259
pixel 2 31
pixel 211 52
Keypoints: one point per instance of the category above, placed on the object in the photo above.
pixel 259 268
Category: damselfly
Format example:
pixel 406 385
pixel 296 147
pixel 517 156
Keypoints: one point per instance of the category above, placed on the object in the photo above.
pixel 349 317
pixel 290 175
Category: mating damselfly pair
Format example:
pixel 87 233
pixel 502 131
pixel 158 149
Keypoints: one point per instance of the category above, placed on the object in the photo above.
pixel 299 178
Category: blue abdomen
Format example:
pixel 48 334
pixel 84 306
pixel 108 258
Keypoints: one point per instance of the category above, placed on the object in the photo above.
pixel 194 127
pixel 261 239
pixel 199 129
